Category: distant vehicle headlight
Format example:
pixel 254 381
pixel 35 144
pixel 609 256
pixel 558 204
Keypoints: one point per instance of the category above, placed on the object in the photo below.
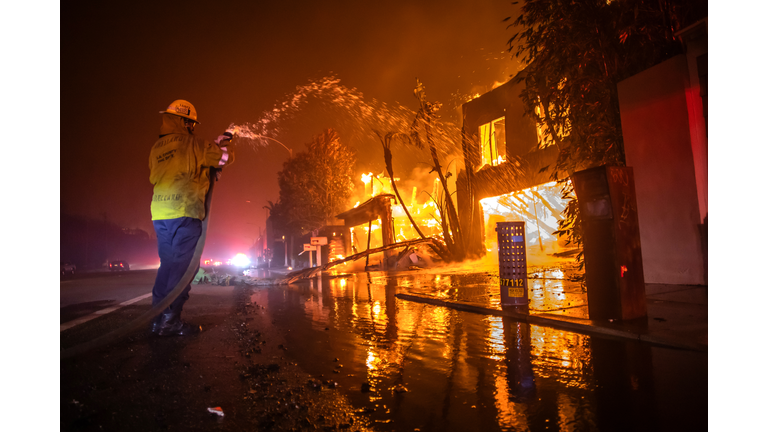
pixel 240 260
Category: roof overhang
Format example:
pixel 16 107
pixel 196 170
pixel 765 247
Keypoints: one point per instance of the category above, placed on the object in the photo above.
pixel 370 210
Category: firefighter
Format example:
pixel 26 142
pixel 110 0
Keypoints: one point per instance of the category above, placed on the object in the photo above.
pixel 179 168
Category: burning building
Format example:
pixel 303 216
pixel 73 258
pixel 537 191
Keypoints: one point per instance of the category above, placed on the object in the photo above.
pixel 504 178
pixel 507 174
pixel 381 221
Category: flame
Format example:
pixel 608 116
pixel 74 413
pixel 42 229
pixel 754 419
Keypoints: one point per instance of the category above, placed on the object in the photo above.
pixel 421 207
pixel 540 207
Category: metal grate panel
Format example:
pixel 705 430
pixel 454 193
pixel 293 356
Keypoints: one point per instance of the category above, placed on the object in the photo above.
pixel 513 263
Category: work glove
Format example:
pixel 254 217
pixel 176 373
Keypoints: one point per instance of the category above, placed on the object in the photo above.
pixel 222 141
pixel 224 138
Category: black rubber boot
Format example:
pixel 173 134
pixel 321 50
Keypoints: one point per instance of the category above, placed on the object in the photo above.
pixel 155 327
pixel 172 325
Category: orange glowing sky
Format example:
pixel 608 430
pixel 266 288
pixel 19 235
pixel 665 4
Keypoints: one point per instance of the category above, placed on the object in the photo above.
pixel 234 60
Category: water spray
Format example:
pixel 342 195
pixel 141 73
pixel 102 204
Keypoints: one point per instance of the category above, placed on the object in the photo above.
pixel 351 112
pixel 245 132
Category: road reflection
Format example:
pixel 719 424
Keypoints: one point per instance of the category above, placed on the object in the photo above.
pixel 435 368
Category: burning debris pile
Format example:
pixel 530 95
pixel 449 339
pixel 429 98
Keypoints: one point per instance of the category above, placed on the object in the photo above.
pixel 540 207
pixel 408 258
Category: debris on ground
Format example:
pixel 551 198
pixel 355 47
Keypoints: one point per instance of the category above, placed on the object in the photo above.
pixel 216 410
pixel 222 279
pixel 256 281
pixel 414 258
pixel 312 271
pixel 278 395
pixel 201 277
pixel 315 384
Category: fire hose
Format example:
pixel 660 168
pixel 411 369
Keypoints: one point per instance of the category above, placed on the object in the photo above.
pixel 146 317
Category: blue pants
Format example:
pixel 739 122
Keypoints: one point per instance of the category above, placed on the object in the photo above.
pixel 176 241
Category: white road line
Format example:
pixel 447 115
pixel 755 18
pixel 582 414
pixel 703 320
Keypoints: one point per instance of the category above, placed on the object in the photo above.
pixel 99 313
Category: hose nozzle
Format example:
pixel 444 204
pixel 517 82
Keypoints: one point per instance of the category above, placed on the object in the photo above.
pixel 233 130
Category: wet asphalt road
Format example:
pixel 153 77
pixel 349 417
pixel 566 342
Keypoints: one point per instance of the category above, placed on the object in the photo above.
pixel 149 383
pixel 344 353
pixel 82 294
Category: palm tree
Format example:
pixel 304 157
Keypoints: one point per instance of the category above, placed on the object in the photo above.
pixel 427 112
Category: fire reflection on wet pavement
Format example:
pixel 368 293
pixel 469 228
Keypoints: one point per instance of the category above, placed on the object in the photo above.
pixel 435 368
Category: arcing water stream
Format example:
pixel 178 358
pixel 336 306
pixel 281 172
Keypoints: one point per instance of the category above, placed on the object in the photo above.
pixel 354 117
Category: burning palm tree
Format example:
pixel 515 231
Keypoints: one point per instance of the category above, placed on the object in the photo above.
pixel 386 143
pixel 424 117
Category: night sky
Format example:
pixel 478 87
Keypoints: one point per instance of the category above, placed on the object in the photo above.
pixel 233 61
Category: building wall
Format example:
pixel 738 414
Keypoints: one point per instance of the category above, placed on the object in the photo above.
pixel 695 38
pixel 655 108
pixel 503 101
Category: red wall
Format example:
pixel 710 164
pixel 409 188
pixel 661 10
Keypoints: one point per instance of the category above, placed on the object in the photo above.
pixel 656 112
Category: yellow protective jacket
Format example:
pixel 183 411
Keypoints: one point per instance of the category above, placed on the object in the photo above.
pixel 179 165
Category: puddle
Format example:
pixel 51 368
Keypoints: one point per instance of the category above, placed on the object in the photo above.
pixel 435 368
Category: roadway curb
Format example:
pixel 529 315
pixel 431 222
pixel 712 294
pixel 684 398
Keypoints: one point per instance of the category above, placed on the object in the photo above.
pixel 561 322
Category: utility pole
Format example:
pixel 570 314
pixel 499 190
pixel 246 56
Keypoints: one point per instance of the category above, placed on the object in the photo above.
pixel 293 260
pixel 285 250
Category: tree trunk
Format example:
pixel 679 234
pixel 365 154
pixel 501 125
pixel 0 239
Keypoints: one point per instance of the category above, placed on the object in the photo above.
pixel 390 171
pixel 453 217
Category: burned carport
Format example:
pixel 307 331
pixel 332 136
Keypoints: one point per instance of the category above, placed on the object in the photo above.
pixel 378 208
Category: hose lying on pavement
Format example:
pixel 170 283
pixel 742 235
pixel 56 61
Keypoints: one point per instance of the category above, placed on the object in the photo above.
pixel 147 316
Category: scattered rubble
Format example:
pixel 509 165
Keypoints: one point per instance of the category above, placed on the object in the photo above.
pixel 310 272
pixel 277 393
pixel 216 410
pixel 256 281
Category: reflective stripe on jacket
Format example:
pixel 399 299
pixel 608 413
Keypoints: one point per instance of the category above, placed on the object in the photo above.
pixel 179 165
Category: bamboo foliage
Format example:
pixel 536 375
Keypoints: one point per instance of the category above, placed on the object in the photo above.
pixel 575 54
